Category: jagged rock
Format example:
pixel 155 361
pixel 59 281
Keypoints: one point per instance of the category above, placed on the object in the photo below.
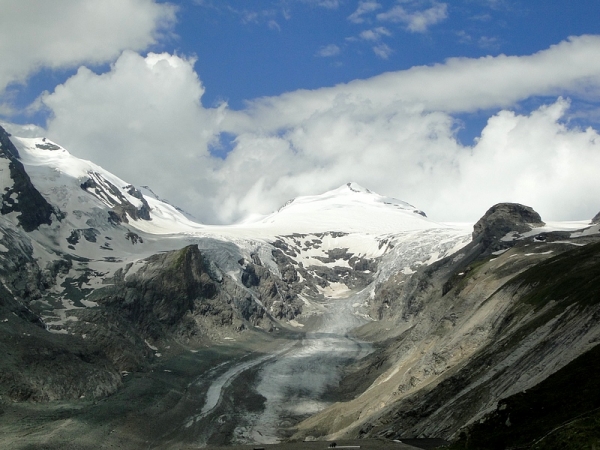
pixel 162 292
pixel 278 295
pixel 596 218
pixel 22 196
pixel 89 234
pixel 134 237
pixel 108 193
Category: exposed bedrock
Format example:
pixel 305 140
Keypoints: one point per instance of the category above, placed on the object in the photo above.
pixel 502 219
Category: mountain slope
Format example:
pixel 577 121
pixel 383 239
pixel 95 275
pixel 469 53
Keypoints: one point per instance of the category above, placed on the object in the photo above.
pixel 106 289
pixel 349 208
pixel 491 321
pixel 89 257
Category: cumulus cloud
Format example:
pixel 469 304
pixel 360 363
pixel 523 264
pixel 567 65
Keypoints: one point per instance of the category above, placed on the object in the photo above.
pixel 142 120
pixel 534 159
pixel 28 131
pixel 386 149
pixel 416 157
pixel 65 33
pixel 416 21
pixel 394 133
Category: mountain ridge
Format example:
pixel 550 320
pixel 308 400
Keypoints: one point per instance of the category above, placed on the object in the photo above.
pixel 116 289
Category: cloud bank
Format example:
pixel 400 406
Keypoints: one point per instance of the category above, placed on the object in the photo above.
pixel 394 133
pixel 64 33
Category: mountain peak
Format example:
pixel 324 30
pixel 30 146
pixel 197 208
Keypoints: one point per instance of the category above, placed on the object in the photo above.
pixel 355 187
pixel 348 208
pixel 503 218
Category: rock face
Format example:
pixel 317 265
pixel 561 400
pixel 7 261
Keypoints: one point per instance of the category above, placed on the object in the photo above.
pixel 22 197
pixel 38 365
pixel 178 292
pixel 178 295
pixel 160 293
pixel 503 218
pixel 122 208
pixel 279 295
pixel 596 218
pixel 84 300
pixel 470 330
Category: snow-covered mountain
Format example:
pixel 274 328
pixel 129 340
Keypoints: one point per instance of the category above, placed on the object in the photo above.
pixel 105 279
pixel 105 219
pixel 349 208
pixel 312 248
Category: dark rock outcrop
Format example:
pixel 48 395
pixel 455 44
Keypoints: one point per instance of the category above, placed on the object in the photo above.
pixel 160 294
pixel 278 295
pixel 39 366
pixel 112 196
pixel 22 196
pixel 503 218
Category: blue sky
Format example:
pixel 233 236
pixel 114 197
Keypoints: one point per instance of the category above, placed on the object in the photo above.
pixel 250 103
pixel 247 49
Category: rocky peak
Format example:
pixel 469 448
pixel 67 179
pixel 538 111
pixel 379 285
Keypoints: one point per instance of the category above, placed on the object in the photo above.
pixel 111 195
pixel 503 218
pixel 596 218
pixel 355 187
pixel 7 148
pixel 20 195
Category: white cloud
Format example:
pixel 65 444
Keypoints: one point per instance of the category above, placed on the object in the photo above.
pixel 143 120
pixel 328 51
pixel 533 159
pixel 418 21
pixel 65 33
pixel 364 7
pixel 383 51
pixel 28 131
pixel 459 85
pixel 488 42
pixel 248 16
pixel 484 42
pixel 387 149
pixel 394 133
pixel 375 34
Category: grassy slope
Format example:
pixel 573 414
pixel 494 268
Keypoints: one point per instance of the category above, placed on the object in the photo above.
pixel 567 402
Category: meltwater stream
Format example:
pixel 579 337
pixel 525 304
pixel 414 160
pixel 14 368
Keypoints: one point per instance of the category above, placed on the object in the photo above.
pixel 294 382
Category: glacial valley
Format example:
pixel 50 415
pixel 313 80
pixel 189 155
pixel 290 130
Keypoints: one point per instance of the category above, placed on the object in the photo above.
pixel 347 315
